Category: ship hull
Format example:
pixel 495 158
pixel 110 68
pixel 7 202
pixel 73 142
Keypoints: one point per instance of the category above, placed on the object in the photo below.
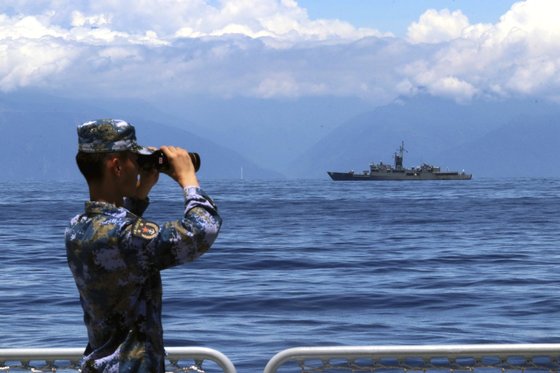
pixel 382 176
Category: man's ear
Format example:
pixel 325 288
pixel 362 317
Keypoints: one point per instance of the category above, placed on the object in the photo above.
pixel 114 165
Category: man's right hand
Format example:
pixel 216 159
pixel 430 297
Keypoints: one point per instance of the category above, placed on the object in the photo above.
pixel 181 168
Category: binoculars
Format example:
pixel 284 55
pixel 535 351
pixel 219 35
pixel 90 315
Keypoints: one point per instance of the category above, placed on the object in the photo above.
pixel 159 161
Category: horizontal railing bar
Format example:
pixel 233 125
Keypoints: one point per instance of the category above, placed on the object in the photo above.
pixel 424 351
pixel 76 354
pixel 28 354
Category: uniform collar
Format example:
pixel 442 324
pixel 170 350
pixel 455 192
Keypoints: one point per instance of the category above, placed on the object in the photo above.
pixel 99 207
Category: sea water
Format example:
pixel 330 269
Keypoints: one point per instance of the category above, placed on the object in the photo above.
pixel 312 263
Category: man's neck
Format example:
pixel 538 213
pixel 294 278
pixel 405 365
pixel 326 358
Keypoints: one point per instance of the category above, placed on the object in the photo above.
pixel 105 193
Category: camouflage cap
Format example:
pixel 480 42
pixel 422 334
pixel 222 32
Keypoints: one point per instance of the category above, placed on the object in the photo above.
pixel 108 135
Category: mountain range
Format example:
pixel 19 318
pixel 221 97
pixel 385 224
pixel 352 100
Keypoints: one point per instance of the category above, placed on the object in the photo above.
pixel 39 139
pixel 299 138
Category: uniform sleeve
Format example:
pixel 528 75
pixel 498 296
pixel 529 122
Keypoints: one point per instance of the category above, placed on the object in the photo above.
pixel 184 240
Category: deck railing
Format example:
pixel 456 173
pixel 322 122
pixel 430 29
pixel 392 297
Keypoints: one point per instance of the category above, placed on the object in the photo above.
pixel 433 358
pixel 380 359
pixel 183 359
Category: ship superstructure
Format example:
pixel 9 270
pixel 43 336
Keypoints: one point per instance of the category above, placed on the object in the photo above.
pixel 383 171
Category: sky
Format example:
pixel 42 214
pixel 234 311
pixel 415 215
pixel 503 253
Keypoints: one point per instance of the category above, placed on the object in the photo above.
pixel 396 15
pixel 376 50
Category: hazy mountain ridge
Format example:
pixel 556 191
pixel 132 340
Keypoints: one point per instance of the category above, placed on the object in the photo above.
pixel 271 132
pixel 527 146
pixel 38 138
pixel 502 138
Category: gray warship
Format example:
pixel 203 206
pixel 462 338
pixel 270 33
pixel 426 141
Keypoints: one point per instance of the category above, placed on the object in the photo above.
pixel 382 171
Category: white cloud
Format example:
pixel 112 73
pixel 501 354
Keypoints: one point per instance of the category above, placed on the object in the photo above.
pixel 438 26
pixel 27 27
pixel 33 63
pixel 519 55
pixel 80 20
pixel 271 48
pixel 534 75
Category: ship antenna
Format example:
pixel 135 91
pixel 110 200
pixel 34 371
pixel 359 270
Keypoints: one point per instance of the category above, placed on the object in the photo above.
pixel 402 149
pixel 399 157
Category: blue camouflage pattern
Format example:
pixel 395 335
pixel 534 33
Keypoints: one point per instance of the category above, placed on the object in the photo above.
pixel 108 135
pixel 116 257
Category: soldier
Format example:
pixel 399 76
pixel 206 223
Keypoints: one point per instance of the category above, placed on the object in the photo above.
pixel 116 256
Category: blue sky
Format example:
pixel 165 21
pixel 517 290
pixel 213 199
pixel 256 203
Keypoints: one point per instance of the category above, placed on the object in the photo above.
pixel 376 50
pixel 396 15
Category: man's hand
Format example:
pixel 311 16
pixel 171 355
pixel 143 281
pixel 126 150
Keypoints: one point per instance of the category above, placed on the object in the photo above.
pixel 181 167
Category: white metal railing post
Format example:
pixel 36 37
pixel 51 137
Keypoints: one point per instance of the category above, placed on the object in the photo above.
pixel 203 353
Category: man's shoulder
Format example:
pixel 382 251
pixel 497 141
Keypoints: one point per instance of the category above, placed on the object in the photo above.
pixel 103 217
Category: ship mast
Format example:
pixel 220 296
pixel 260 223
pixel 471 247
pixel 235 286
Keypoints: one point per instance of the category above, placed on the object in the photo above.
pixel 399 157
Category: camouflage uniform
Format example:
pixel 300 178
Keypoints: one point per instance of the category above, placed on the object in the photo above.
pixel 115 257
